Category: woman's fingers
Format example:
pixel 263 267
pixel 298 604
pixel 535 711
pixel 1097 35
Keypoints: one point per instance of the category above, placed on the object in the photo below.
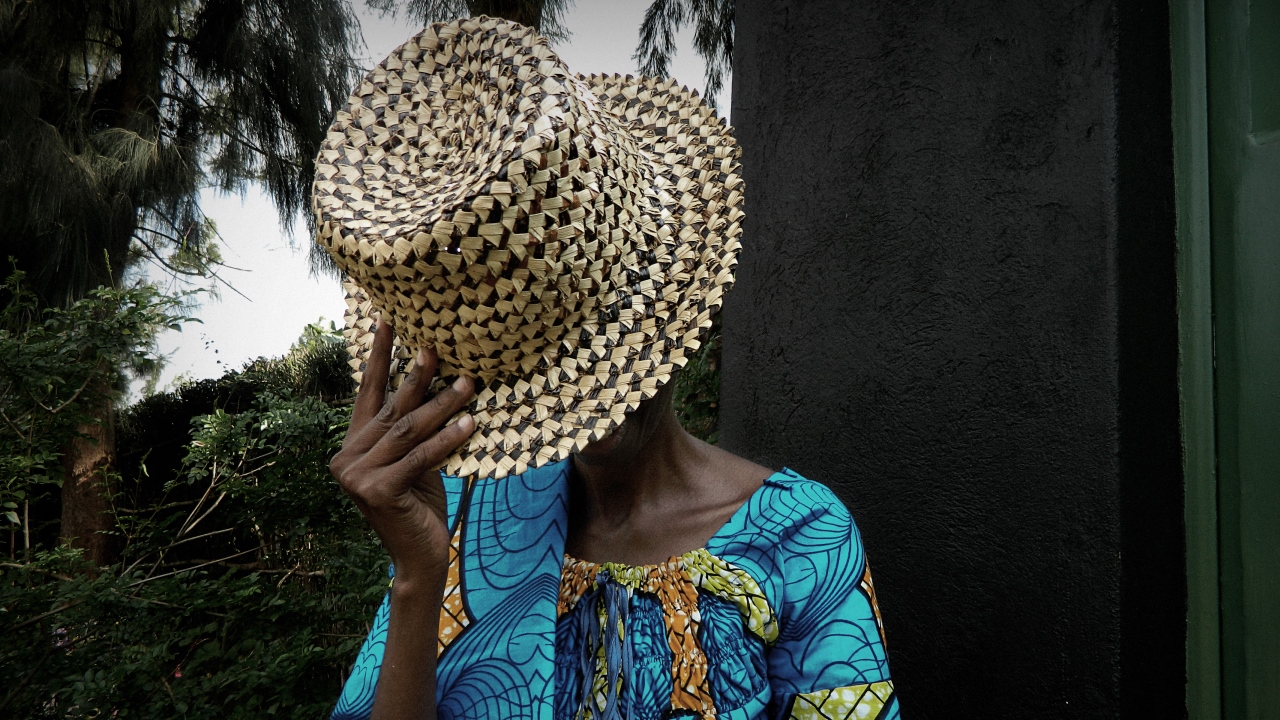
pixel 410 393
pixel 392 421
pixel 415 427
pixel 414 445
pixel 402 432
pixel 373 385
pixel 430 453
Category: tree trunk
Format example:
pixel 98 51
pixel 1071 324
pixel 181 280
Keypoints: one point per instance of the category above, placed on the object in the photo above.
pixel 524 12
pixel 89 459
pixel 89 462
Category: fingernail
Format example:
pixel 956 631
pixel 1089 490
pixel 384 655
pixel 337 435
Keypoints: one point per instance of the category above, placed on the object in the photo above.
pixel 466 423
pixel 422 357
pixel 462 384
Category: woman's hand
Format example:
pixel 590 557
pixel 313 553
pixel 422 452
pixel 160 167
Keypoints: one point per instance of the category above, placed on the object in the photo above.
pixel 387 465
pixel 388 459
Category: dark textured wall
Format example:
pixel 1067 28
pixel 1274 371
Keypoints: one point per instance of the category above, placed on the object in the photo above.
pixel 955 306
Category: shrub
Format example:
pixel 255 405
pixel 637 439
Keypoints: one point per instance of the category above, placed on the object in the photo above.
pixel 247 579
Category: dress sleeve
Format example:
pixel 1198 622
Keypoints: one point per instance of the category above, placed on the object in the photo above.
pixel 829 659
pixel 356 700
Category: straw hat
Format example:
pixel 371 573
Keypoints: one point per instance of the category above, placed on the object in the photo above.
pixel 564 239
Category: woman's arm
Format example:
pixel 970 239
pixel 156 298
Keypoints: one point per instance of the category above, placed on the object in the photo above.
pixel 386 465
pixel 407 682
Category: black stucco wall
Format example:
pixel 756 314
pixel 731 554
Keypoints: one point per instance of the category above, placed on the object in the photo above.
pixel 956 307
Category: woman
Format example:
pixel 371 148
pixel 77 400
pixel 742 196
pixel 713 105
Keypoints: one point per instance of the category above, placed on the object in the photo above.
pixel 560 243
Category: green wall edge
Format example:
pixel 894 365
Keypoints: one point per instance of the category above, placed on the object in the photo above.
pixel 1196 362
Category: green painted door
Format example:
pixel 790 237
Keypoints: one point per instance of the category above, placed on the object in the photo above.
pixel 1227 128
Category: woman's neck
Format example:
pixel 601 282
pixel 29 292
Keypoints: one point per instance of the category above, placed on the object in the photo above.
pixel 662 468
pixel 650 490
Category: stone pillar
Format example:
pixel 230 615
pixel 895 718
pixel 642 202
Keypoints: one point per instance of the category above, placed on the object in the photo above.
pixel 956 307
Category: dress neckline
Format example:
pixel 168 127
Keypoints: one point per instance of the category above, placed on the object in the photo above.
pixel 674 560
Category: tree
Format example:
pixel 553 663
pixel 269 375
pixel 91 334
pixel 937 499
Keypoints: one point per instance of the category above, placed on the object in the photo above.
pixel 245 580
pixel 546 16
pixel 712 20
pixel 116 113
pixel 52 365
pixel 712 38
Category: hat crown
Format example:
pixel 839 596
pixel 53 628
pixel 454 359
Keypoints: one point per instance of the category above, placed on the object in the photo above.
pixel 486 204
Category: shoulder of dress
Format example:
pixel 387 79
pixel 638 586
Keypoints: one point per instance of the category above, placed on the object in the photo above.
pixel 783 518
pixel 788 495
pixel 793 532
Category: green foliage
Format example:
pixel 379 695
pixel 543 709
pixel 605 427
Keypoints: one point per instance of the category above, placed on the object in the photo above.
pixel 153 435
pixel 254 458
pixel 117 113
pixel 208 643
pixel 545 15
pixel 57 367
pixel 712 38
pixel 697 397
pixel 246 579
pixel 315 365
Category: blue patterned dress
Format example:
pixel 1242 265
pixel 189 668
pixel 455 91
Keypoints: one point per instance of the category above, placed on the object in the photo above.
pixel 775 618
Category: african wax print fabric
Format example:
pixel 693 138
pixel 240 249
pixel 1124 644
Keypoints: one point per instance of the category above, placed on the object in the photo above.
pixel 775 618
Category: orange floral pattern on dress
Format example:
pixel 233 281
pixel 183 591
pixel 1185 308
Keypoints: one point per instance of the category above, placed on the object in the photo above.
pixel 869 590
pixel 453 613
pixel 576 578
pixel 679 599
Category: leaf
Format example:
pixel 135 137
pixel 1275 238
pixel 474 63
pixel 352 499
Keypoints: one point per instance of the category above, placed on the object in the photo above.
pixel 13 517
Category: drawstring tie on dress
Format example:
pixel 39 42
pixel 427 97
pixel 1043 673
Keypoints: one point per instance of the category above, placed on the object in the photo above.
pixel 612 601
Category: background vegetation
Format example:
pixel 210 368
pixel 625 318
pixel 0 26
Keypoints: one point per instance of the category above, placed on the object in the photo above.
pixel 189 556
pixel 245 580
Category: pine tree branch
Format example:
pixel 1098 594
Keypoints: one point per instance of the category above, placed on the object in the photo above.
pixel 230 114
pixel 160 258
pixel 194 567
pixel 42 571
pixel 188 273
pixel 33 620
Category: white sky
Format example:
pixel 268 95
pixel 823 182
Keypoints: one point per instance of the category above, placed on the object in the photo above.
pixel 280 295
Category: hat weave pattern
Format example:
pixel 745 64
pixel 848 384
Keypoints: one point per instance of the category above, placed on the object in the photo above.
pixel 563 239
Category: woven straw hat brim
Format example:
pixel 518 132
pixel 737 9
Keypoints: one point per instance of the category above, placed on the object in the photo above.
pixel 629 343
